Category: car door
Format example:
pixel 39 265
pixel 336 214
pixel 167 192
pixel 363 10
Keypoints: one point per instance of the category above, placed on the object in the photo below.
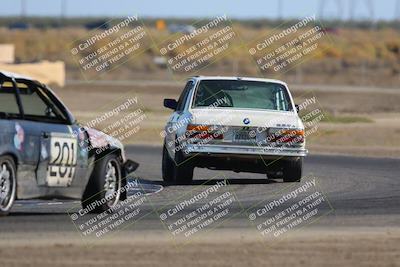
pixel 176 125
pixel 62 157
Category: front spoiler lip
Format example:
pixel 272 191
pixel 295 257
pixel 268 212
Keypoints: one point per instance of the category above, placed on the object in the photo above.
pixel 130 166
pixel 244 150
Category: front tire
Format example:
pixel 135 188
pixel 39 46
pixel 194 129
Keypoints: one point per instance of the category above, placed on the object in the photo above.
pixel 8 184
pixel 167 167
pixel 104 188
pixel 292 170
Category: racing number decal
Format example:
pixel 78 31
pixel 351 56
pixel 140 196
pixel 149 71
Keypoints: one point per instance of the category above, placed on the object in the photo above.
pixel 62 162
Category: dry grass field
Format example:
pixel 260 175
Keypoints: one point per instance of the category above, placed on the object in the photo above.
pixel 345 56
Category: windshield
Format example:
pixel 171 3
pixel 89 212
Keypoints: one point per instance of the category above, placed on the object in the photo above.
pixel 242 95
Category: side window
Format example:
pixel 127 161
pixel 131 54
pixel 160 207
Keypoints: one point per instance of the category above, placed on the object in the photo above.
pixel 34 105
pixel 8 99
pixel 184 96
pixel 37 105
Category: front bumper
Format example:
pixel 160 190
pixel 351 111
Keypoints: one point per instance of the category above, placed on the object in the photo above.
pixel 192 149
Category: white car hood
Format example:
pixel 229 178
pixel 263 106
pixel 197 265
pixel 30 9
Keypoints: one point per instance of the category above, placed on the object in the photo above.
pixel 246 117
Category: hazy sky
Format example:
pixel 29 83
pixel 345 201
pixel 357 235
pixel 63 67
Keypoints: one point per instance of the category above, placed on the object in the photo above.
pixel 382 9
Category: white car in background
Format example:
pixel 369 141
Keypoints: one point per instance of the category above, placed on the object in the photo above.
pixel 233 123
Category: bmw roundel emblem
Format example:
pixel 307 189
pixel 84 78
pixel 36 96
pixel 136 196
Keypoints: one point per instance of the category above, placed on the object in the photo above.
pixel 246 121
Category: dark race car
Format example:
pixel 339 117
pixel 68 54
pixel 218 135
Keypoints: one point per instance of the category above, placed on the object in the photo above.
pixel 46 154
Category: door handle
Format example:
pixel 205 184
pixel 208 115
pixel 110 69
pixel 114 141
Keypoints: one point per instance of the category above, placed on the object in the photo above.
pixel 45 135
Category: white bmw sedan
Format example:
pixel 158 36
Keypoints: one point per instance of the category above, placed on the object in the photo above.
pixel 233 123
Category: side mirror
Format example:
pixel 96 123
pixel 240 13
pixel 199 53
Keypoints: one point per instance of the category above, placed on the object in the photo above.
pixel 297 108
pixel 170 103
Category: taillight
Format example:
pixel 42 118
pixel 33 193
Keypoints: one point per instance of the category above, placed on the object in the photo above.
pixel 286 136
pixel 203 132
pixel 197 128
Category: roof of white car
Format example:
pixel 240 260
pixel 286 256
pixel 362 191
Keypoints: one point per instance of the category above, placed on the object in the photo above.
pixel 237 78
pixel 15 75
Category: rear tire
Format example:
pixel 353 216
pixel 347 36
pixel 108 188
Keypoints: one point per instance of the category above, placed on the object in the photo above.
pixel 183 169
pixel 177 171
pixel 8 184
pixel 104 182
pixel 292 170
pixel 272 176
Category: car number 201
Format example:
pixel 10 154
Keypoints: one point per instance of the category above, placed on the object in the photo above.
pixel 62 162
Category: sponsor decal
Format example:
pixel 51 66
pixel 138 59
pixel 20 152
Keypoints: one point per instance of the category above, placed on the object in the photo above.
pixel 19 136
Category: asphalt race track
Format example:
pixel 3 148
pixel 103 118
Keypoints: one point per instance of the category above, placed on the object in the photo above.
pixel 358 192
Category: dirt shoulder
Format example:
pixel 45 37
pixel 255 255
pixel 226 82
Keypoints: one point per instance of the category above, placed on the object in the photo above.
pixel 346 247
